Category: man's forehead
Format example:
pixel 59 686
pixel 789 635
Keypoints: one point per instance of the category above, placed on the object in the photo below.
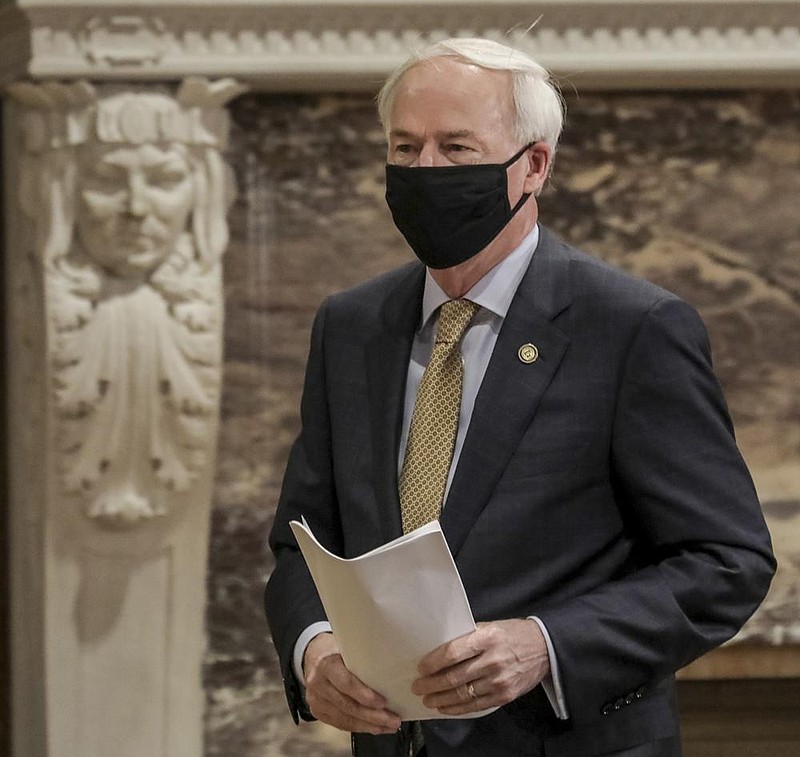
pixel 451 97
pixel 441 70
pixel 455 84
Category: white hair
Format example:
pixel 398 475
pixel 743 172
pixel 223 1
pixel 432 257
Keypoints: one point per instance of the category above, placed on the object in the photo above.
pixel 537 102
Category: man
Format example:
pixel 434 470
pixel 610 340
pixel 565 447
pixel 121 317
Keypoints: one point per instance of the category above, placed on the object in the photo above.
pixel 604 524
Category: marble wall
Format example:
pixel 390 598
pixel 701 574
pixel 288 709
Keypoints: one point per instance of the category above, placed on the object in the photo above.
pixel 697 191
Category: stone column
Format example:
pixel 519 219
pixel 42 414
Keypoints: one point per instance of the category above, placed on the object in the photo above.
pixel 116 226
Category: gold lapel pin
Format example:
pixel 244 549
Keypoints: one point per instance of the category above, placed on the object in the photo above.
pixel 528 353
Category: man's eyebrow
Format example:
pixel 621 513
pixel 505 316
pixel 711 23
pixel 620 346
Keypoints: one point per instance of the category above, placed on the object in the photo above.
pixel 457 134
pixel 402 133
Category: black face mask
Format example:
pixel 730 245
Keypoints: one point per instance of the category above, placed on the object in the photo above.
pixel 448 214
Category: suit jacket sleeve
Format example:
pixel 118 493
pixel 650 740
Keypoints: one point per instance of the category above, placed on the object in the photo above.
pixel 291 600
pixel 704 559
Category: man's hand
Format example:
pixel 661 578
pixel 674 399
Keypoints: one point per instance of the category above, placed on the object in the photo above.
pixel 336 697
pixel 490 667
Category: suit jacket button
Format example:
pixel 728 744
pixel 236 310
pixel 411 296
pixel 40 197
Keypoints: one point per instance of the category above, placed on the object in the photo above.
pixel 606 709
pixel 630 699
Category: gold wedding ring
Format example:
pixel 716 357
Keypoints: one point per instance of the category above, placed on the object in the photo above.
pixel 471 691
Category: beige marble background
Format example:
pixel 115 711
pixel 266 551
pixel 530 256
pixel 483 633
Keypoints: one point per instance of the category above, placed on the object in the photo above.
pixel 699 192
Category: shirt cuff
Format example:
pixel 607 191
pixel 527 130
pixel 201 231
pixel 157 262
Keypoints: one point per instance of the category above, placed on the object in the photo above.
pixel 303 641
pixel 552 683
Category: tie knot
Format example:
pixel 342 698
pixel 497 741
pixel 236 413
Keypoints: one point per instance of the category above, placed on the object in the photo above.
pixel 454 317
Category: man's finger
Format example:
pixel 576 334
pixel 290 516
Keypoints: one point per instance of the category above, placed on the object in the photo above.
pixel 336 709
pixel 335 671
pixel 451 653
pixel 454 677
pixel 339 698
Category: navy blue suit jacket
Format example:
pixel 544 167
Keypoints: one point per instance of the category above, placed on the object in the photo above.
pixel 599 488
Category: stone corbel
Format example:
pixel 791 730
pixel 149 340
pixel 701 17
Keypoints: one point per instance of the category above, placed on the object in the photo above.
pixel 117 225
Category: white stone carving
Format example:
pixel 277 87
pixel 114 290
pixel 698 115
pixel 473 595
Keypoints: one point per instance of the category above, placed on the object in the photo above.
pixel 297 44
pixel 115 220
pixel 136 193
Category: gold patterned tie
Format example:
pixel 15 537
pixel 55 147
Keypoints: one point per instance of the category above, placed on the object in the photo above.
pixel 434 423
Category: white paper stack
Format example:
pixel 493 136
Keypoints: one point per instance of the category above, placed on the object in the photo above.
pixel 389 607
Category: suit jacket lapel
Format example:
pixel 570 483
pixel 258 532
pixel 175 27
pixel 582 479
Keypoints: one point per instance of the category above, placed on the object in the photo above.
pixel 511 389
pixel 388 353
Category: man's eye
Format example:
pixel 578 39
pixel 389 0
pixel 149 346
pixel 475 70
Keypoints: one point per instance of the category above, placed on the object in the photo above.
pixel 457 148
pixel 403 148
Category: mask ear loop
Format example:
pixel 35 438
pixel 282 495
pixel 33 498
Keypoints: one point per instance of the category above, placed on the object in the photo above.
pixel 514 158
pixel 510 162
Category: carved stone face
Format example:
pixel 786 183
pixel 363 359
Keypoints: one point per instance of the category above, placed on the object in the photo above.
pixel 134 203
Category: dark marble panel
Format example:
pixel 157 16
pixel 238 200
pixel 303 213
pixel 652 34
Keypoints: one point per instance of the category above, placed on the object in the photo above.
pixel 698 192
pixel 310 220
pixel 246 710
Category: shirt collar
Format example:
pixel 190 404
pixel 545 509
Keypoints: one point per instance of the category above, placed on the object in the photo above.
pixel 497 287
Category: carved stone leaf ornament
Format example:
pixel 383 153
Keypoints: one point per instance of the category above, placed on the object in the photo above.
pixel 136 406
pixel 135 192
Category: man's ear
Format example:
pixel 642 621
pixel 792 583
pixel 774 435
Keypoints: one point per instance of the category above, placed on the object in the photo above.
pixel 540 157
